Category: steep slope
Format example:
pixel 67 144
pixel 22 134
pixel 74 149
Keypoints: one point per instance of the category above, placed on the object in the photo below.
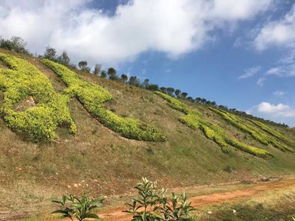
pixel 98 158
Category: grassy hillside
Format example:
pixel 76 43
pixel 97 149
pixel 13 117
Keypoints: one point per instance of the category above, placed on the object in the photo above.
pixel 176 142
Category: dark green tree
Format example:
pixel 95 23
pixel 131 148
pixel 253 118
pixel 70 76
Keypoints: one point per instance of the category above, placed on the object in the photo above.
pixel 133 80
pixel 163 89
pixel 50 53
pixel 83 66
pixel 170 91
pixel 183 95
pixel 103 74
pixel 112 73
pixel 124 78
pixel 177 92
pixel 153 87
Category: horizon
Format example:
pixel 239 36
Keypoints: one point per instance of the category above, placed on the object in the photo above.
pixel 240 55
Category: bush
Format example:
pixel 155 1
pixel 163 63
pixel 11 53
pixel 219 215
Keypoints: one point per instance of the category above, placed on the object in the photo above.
pixel 37 123
pixel 79 208
pixel 153 205
pixel 194 120
pixel 92 96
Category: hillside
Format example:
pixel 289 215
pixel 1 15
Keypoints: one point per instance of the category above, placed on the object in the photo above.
pixel 67 131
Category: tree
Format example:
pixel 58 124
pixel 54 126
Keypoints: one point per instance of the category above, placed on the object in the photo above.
pixel 103 74
pixel 153 87
pixel 15 44
pixel 145 84
pixel 190 99
pixel 183 95
pixel 198 100
pixel 134 81
pixel 124 78
pixel 64 58
pixel 177 92
pixel 163 89
pixel 112 73
pixel 50 54
pixel 83 66
pixel 97 69
pixel 170 91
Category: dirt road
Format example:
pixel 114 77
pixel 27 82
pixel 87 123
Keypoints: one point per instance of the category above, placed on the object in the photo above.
pixel 116 214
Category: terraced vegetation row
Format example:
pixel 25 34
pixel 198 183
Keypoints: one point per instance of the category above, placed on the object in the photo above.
pixel 257 133
pixel 194 120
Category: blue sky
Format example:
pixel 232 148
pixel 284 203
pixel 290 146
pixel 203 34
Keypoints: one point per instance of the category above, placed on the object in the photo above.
pixel 238 53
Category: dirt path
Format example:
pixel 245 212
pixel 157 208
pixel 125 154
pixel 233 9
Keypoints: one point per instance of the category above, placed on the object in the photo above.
pixel 116 214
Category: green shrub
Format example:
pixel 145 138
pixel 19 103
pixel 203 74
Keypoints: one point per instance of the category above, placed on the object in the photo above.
pixel 92 96
pixel 79 208
pixel 194 120
pixel 37 123
pixel 153 205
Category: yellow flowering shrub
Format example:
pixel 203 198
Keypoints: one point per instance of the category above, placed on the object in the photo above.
pixel 92 96
pixel 37 123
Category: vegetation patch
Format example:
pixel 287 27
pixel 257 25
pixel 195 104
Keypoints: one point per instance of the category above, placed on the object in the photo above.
pixel 275 133
pixel 40 121
pixel 194 120
pixel 92 96
pixel 255 132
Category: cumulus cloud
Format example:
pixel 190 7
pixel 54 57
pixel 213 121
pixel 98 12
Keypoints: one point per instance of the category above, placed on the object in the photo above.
pixel 174 27
pixel 266 107
pixel 250 72
pixel 277 112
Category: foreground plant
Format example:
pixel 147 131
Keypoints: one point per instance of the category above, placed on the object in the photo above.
pixel 153 205
pixel 79 208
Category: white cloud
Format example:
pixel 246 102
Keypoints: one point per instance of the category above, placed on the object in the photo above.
pixel 250 72
pixel 279 93
pixel 282 70
pixel 260 81
pixel 277 33
pixel 278 112
pixel 174 27
pixel 266 107
pixel 285 67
